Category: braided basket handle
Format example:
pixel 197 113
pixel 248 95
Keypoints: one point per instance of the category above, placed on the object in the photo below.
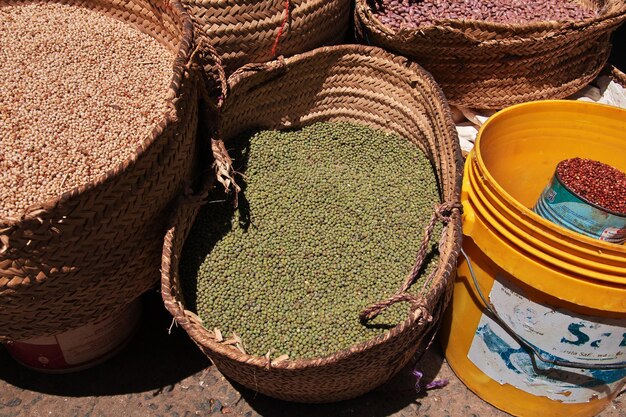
pixel 213 74
pixel 443 213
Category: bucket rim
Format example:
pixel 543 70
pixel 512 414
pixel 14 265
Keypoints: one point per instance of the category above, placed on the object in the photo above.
pixel 540 271
pixel 550 250
pixel 546 227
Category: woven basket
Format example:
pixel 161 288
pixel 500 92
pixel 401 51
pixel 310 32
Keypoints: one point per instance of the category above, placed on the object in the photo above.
pixel 350 83
pixel 96 248
pixel 490 65
pixel 245 31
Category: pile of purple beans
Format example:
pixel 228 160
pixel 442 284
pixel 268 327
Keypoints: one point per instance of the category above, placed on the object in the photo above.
pixel 409 14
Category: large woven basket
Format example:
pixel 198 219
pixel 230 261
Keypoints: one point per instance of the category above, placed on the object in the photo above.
pixel 491 65
pixel 245 31
pixel 96 248
pixel 357 84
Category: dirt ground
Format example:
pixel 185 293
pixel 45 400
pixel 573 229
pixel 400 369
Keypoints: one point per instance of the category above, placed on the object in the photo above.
pixel 165 375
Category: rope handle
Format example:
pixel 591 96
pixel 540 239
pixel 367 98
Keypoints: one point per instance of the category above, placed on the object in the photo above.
pixel 201 197
pixel 442 213
pixel 210 63
pixel 213 73
pixel 223 168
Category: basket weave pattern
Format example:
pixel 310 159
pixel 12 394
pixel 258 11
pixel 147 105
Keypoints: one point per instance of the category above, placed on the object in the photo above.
pixel 356 84
pixel 245 31
pixel 493 65
pixel 95 248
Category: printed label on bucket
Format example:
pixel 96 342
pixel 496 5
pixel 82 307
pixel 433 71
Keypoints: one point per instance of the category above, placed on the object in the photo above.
pixel 557 334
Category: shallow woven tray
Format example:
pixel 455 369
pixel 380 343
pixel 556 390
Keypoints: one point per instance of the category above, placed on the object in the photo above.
pixel 357 84
pixel 96 248
pixel 492 65
pixel 257 31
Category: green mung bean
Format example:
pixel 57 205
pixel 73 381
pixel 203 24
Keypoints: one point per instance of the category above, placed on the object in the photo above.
pixel 329 220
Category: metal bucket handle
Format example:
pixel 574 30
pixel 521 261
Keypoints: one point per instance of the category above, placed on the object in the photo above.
pixel 528 346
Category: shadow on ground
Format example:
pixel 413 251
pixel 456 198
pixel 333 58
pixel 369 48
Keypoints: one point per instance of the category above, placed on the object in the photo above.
pixel 153 360
pixel 396 395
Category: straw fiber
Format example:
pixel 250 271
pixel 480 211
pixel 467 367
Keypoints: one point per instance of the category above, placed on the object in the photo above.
pixel 493 65
pixel 358 84
pixel 615 74
pixel 96 248
pixel 246 31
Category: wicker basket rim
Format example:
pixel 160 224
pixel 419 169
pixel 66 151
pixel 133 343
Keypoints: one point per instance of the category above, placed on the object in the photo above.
pixel 282 64
pixel 184 51
pixel 201 335
pixel 511 29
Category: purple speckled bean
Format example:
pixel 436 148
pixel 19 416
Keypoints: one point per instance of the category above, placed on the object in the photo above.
pixel 414 13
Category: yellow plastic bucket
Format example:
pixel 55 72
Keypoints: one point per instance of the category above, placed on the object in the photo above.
pixel 537 322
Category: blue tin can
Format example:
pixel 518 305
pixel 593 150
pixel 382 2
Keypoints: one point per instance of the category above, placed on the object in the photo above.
pixel 564 207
